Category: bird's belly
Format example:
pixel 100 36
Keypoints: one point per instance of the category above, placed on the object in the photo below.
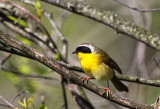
pixel 100 72
pixel 103 72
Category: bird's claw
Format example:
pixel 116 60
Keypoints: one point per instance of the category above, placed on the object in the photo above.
pixel 108 91
pixel 87 79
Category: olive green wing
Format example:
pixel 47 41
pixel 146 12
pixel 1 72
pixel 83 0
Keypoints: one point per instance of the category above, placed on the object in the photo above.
pixel 108 61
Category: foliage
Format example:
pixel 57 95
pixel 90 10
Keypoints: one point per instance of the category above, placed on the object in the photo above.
pixel 28 103
pixel 38 8
pixel 19 21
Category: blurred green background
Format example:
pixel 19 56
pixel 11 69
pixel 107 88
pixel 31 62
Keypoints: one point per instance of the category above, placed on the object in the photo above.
pixel 78 29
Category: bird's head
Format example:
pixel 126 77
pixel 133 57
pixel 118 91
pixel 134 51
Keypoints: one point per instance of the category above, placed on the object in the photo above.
pixel 85 48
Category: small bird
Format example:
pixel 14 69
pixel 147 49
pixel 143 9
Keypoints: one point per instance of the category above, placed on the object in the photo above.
pixel 98 65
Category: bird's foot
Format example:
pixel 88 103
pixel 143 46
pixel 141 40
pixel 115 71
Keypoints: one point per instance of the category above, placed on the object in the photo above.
pixel 87 79
pixel 108 91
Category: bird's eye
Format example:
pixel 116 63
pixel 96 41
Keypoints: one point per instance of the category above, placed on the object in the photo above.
pixel 83 49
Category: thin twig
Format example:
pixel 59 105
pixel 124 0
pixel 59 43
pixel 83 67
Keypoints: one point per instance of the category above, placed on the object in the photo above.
pixel 8 103
pixel 158 102
pixel 137 9
pixel 71 67
pixel 154 59
pixel 57 30
pixel 80 98
pixel 15 22
pixel 6 58
pixel 64 92
pixel 21 93
pixel 6 106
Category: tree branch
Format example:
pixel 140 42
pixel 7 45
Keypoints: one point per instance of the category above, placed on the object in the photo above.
pixel 139 80
pixel 67 74
pixel 155 83
pixel 111 19
pixel 121 77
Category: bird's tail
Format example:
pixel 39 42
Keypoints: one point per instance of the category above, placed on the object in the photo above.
pixel 118 84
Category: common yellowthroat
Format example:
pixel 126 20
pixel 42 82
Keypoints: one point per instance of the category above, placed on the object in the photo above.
pixel 98 65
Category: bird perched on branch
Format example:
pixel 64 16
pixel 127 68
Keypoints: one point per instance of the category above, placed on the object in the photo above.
pixel 98 65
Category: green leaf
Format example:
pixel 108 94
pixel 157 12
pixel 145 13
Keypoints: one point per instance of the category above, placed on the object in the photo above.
pixel 38 8
pixel 24 40
pixel 42 106
pixel 19 21
pixel 23 66
pixel 30 100
pixel 25 103
pixel 57 57
pixel 19 102
pixel 24 69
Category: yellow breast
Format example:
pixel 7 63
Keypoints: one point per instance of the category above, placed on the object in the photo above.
pixel 89 62
pixel 93 67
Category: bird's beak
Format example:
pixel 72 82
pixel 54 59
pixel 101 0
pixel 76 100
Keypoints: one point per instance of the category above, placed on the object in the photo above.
pixel 75 52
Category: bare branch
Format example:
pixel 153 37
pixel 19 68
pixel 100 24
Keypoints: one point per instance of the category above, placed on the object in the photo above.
pixel 121 77
pixel 156 63
pixel 158 102
pixel 139 80
pixel 14 51
pixel 79 98
pixel 8 103
pixel 64 93
pixel 6 58
pixel 21 93
pixel 55 26
pixel 6 106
